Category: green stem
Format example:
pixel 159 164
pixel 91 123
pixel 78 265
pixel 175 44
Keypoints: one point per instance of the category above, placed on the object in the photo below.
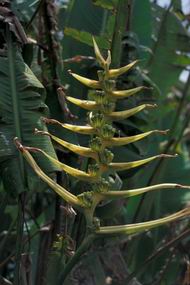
pixel 119 29
pixel 19 242
pixel 73 261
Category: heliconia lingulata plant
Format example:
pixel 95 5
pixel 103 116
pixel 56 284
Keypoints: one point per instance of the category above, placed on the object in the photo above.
pixel 103 137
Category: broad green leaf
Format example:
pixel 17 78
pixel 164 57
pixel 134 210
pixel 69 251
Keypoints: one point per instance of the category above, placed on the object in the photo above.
pixel 141 22
pixel 171 39
pixel 86 38
pixel 21 108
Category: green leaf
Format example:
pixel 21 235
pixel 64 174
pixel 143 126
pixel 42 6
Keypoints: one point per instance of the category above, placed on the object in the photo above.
pixel 171 39
pixel 21 108
pixel 141 21
pixel 86 38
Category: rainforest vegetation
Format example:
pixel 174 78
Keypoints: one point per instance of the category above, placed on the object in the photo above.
pixel 94 142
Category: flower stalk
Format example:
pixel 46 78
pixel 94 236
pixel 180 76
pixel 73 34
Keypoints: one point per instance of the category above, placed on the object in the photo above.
pixel 102 137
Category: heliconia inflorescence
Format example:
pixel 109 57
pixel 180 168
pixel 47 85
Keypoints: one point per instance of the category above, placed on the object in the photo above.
pixel 102 134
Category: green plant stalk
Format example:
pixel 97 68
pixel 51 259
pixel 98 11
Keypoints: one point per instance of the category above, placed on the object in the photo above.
pixel 119 29
pixel 73 261
pixel 19 242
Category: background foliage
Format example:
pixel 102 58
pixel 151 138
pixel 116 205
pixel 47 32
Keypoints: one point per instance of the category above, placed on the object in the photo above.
pixel 32 216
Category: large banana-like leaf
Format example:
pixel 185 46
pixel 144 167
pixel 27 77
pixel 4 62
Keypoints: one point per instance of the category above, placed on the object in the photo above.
pixel 171 44
pixel 21 108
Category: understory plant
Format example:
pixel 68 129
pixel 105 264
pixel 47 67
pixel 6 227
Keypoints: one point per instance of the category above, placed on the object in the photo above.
pixel 101 167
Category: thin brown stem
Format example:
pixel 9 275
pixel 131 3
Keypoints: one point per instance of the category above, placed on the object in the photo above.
pixel 172 243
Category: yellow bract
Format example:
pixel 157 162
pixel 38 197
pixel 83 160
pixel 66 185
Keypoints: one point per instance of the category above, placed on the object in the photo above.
pixel 121 94
pixel 139 227
pixel 99 57
pixel 86 81
pixel 128 165
pixel 119 71
pixel 85 104
pixel 84 130
pixel 126 140
pixel 117 116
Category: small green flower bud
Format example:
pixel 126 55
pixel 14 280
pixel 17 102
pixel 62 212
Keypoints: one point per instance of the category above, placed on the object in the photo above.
pixel 93 169
pixel 59 243
pixel 109 85
pixel 106 156
pixel 107 131
pixel 97 120
pixel 96 223
pixel 99 97
pixel 101 187
pixel 96 144
pixel 108 107
pixel 65 243
pixel 101 75
pixel 86 199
